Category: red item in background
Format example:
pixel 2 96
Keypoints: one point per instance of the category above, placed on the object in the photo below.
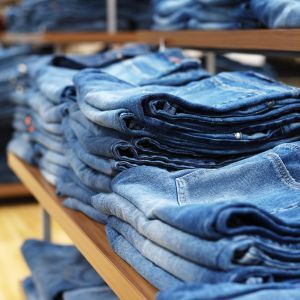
pixel 2 26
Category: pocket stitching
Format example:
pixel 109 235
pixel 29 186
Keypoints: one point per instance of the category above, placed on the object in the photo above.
pixel 281 171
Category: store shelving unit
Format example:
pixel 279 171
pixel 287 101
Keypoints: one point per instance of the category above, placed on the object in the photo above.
pixel 88 236
pixel 277 40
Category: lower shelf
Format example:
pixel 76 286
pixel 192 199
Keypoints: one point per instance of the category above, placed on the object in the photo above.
pixel 87 235
pixel 13 190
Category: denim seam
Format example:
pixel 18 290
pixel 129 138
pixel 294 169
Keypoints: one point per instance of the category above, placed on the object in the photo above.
pixel 291 147
pixel 282 171
pixel 291 206
pixel 181 196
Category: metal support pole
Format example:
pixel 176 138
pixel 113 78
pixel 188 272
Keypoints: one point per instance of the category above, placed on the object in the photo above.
pixel 211 62
pixel 59 49
pixel 46 226
pixel 111 13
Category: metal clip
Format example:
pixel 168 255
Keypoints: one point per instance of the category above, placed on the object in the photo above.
pixel 162 45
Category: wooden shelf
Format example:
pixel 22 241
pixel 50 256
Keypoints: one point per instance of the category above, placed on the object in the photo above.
pixel 284 40
pixel 63 38
pixel 258 39
pixel 88 236
pixel 13 190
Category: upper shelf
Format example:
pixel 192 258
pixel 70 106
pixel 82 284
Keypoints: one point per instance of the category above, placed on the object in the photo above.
pixel 87 235
pixel 62 38
pixel 259 39
pixel 283 40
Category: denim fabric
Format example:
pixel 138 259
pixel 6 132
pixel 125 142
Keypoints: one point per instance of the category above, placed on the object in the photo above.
pixel 232 98
pixel 170 67
pixel 231 291
pixel 21 146
pixel 30 289
pixel 86 209
pixel 52 156
pixel 109 152
pixel 71 186
pixel 275 172
pixel 94 293
pixel 96 181
pixel 214 205
pixel 36 15
pixel 225 254
pixel 190 272
pixel 50 167
pixel 277 14
pixel 50 177
pixel 51 82
pixel 155 275
pixel 56 269
pixel 249 112
pixel 78 196
pixel 170 15
pixel 101 60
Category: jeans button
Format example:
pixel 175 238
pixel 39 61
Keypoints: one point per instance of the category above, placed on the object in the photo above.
pixel 238 135
pixel 119 55
pixel 22 68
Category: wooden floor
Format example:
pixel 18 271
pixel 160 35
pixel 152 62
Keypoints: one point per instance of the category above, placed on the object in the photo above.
pixel 17 223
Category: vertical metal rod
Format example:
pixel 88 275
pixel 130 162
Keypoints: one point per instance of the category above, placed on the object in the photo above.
pixel 59 49
pixel 46 226
pixel 111 13
pixel 211 62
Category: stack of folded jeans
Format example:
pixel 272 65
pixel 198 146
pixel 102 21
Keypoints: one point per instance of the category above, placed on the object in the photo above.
pixel 79 15
pixel 206 123
pixel 233 291
pixel 61 272
pixel 277 14
pixel 12 77
pixel 239 223
pixel 97 153
pixel 203 14
pixel 38 138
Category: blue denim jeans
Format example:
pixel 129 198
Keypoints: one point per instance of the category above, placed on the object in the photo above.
pixel 231 291
pixel 257 114
pixel 277 14
pixel 238 98
pixel 30 289
pixel 108 151
pixel 56 269
pixel 170 15
pixel 100 60
pixel 32 16
pixel 188 271
pixel 155 275
pixel 91 293
pixel 21 146
pixel 274 170
pixel 226 253
pixel 78 196
pixel 94 293
pixel 273 244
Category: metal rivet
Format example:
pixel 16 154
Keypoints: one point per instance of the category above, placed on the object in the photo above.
pixel 119 55
pixel 22 68
pixel 238 135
